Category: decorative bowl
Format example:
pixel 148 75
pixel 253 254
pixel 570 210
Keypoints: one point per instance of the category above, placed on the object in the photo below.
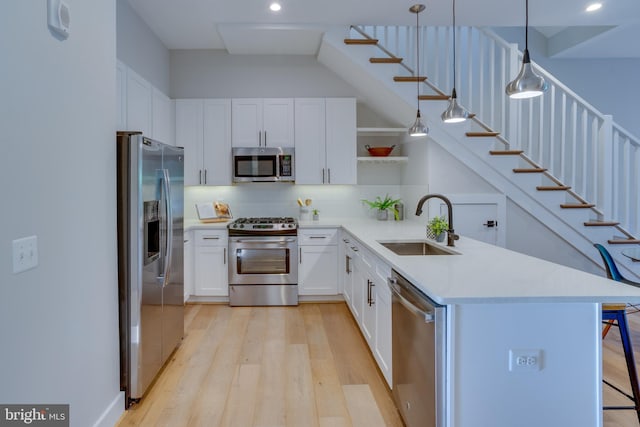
pixel 379 151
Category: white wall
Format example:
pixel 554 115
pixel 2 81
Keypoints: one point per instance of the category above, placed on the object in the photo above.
pixel 216 74
pixel 598 81
pixel 140 49
pixel 59 321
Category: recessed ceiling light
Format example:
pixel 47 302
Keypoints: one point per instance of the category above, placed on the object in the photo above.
pixel 593 7
pixel 275 7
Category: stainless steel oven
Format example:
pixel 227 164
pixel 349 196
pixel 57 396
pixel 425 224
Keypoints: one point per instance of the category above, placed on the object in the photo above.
pixel 263 262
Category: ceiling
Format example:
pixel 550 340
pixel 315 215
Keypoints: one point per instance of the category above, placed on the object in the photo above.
pixel 248 27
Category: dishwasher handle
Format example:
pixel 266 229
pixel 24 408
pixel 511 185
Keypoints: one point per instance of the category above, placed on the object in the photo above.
pixel 428 317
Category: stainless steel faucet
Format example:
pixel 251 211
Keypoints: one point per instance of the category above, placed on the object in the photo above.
pixel 451 236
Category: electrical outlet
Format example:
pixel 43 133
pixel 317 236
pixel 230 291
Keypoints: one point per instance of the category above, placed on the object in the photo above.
pixel 25 254
pixel 525 360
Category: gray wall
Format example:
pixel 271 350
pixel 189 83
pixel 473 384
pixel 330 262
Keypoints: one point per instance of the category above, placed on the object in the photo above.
pixel 216 74
pixel 139 48
pixel 607 84
pixel 58 322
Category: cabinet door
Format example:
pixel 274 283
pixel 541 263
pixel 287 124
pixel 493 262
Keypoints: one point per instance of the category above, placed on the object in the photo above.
pixel 382 339
pixel 217 142
pixel 211 271
pixel 162 117
pixel 121 96
pixel 368 324
pixel 318 270
pixel 358 286
pixel 189 128
pixel 277 122
pixel 188 265
pixel 310 140
pixel 341 141
pixel 138 103
pixel 246 120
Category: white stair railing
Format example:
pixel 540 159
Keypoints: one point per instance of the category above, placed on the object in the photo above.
pixel 580 146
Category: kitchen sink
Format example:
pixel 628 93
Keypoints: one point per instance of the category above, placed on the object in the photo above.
pixel 419 247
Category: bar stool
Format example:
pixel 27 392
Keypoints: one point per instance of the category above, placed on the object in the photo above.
pixel 616 314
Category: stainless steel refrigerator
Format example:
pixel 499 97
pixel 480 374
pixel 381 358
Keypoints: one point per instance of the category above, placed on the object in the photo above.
pixel 150 258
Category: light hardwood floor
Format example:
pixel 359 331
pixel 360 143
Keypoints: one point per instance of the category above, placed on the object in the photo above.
pixel 297 366
pixel 268 366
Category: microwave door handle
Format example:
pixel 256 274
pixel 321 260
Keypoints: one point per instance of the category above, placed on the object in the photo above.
pixel 166 183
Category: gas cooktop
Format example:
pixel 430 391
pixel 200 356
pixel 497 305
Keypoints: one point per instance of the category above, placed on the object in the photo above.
pixel 267 225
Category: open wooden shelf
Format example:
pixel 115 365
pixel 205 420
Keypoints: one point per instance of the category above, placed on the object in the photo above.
pixel 380 159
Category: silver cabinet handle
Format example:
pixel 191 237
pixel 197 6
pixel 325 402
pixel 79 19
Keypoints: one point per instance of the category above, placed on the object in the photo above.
pixel 210 238
pixel 300 257
pixel 329 175
pixel 347 264
pixel 323 175
pixel 317 237
pixel 265 138
pixel 205 176
pixel 345 240
pixel 355 249
pixel 200 179
pixel 224 256
pixel 259 138
pixel 428 317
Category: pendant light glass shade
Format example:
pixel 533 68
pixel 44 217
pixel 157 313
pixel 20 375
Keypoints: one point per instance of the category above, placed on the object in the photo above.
pixel 418 128
pixel 527 83
pixel 454 112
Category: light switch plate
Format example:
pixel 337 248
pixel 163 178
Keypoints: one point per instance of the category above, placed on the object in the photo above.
pixel 25 254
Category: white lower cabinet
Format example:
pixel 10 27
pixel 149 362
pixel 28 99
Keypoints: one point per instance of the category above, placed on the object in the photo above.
pixel 188 264
pixel 318 261
pixel 369 298
pixel 210 263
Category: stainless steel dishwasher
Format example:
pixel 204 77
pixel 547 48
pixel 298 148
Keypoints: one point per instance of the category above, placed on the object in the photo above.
pixel 419 360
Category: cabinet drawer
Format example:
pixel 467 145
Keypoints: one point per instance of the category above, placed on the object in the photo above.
pixel 211 238
pixel 318 236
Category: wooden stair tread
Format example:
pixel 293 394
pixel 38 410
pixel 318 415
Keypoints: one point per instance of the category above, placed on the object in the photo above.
pixel 409 78
pixel 360 41
pixel 506 152
pixel 529 170
pixel 601 223
pixel 577 205
pixel 623 241
pixel 615 307
pixel 553 187
pixel 481 134
pixel 393 60
pixel 433 97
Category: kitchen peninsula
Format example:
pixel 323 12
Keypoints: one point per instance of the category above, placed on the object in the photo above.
pixel 498 303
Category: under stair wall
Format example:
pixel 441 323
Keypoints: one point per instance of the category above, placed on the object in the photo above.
pixel 398 102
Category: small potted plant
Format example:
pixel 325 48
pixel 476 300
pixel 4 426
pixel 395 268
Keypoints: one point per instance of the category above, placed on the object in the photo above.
pixel 316 215
pixel 436 228
pixel 383 207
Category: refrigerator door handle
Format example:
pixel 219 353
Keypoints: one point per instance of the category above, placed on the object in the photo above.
pixel 166 183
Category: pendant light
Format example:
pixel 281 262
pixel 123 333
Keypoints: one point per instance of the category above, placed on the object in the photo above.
pixel 454 112
pixel 527 84
pixel 418 128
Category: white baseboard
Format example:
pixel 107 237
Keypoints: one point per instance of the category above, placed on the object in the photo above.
pixel 112 414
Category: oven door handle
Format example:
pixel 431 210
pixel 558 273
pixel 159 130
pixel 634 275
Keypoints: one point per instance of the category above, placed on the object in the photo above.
pixel 281 242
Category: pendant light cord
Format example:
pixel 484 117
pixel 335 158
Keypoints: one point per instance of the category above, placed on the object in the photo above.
pixel 418 59
pixel 526 25
pixel 454 45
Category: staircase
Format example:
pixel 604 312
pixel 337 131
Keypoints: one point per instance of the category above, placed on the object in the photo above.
pixel 555 156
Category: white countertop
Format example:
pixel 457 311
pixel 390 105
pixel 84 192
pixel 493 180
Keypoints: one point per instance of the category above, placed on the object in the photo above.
pixel 482 273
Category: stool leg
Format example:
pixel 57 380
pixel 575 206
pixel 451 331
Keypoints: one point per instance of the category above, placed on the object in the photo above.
pixel 628 355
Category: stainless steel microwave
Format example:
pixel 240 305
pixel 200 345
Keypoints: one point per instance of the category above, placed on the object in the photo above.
pixel 263 164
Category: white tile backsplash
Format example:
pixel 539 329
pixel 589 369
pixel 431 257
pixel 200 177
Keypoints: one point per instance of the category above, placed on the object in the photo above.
pixel 278 199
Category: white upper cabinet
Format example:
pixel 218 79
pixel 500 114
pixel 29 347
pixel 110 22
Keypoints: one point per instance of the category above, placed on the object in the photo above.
pixel 325 133
pixel 139 104
pixel 142 107
pixel 162 117
pixel 203 128
pixel 258 122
